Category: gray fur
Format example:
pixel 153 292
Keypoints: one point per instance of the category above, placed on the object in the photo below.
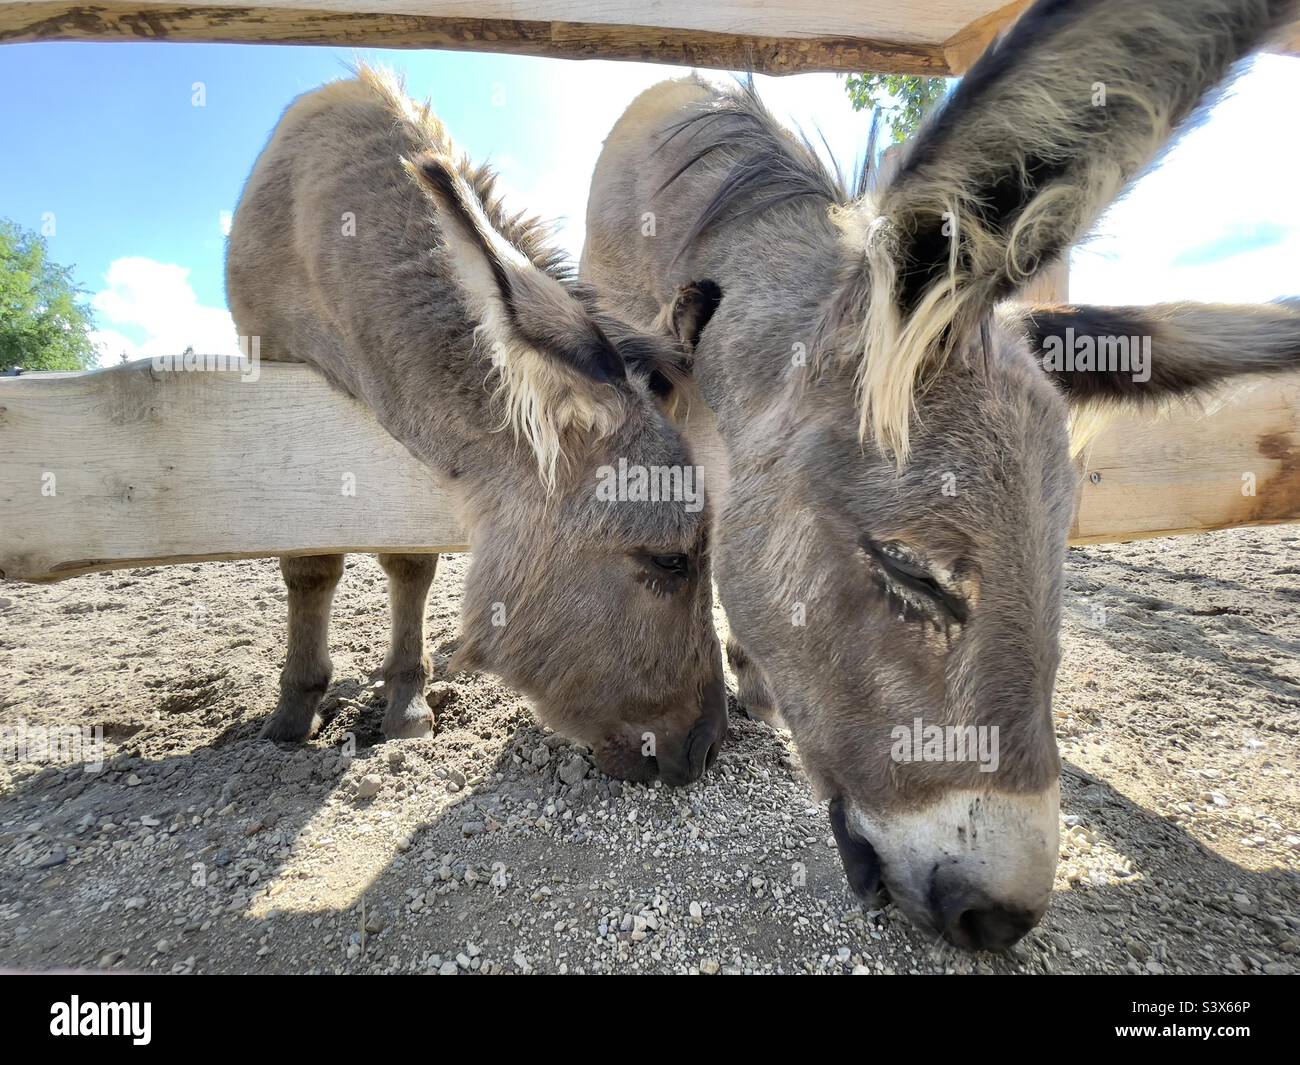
pixel 562 600
pixel 972 482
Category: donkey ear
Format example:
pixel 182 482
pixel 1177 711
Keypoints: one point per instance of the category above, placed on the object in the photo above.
pixel 1035 142
pixel 557 370
pixel 690 311
pixel 1141 355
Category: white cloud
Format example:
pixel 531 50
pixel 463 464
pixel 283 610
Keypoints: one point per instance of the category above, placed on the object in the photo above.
pixel 155 301
pixel 226 220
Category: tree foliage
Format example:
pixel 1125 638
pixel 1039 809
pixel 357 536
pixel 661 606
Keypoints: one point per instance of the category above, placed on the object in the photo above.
pixel 45 321
pixel 902 99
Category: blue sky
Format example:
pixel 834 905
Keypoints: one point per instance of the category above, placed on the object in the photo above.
pixel 133 182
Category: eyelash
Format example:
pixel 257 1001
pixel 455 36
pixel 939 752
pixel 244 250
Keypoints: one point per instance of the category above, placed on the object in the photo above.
pixel 934 603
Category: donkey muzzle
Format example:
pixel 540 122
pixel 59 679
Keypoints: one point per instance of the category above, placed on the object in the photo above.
pixel 861 863
pixel 688 760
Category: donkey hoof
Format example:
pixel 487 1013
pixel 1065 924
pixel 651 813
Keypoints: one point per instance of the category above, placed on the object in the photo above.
pixel 408 726
pixel 281 728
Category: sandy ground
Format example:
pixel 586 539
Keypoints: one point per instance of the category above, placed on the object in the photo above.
pixel 495 847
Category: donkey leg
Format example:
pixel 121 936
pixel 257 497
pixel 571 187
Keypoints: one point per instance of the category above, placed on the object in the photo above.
pixel 406 667
pixel 311 581
pixel 752 693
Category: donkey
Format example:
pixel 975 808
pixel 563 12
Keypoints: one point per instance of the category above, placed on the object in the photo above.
pixel 366 246
pixel 889 548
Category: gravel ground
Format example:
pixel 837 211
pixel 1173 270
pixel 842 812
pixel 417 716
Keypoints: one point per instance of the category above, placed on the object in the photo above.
pixel 494 846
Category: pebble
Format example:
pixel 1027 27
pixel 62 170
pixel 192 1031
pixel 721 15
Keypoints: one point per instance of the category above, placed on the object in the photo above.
pixel 440 693
pixel 574 770
pixel 369 786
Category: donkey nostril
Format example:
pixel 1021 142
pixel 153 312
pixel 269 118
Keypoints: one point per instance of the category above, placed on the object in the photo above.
pixel 989 927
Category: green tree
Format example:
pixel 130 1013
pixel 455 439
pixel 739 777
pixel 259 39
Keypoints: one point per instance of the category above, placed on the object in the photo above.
pixel 45 321
pixel 903 100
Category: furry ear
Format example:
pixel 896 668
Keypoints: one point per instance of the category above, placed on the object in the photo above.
pixel 1141 355
pixel 558 374
pixel 1034 143
pixel 690 311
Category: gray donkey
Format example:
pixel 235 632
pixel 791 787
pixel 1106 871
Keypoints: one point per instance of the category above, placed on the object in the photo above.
pixel 889 549
pixel 365 246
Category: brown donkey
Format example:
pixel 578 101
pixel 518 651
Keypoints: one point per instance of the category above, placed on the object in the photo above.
pixel 365 246
pixel 890 547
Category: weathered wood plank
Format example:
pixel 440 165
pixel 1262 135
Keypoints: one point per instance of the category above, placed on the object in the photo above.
pixel 769 40
pixel 128 467
pixel 131 467
pixel 1192 472
pixel 970 42
pixel 925 37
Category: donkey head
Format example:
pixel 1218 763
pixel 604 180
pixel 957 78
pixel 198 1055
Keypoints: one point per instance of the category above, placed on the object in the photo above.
pixel 892 542
pixel 595 602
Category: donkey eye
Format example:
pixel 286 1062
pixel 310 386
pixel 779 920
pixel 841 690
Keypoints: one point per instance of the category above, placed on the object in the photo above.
pixel 905 570
pixel 677 565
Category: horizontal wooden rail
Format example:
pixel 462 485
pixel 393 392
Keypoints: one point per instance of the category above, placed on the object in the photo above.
pixel 925 37
pixel 1235 460
pixel 790 37
pixel 133 466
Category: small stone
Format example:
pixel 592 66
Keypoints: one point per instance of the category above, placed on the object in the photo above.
pixel 540 755
pixel 369 786
pixel 472 828
pixel 710 967
pixel 56 857
pixel 440 693
pixel 574 770
pixel 135 902
pixel 448 968
pixel 1139 950
pixel 133 781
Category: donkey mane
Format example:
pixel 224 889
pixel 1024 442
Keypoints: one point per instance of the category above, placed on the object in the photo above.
pixel 768 165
